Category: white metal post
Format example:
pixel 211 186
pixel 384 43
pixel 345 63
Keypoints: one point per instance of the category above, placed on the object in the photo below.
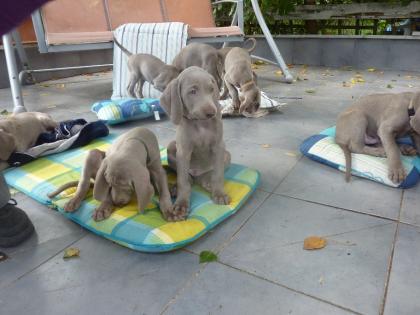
pixel 13 74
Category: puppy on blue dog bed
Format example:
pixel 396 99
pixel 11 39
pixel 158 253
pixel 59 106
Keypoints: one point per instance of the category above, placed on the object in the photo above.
pixel 372 124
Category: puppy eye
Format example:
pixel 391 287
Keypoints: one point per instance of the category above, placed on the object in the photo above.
pixel 193 92
pixel 211 89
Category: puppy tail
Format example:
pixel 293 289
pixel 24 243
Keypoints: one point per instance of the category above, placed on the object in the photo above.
pixel 123 49
pixel 254 44
pixel 63 188
pixel 347 157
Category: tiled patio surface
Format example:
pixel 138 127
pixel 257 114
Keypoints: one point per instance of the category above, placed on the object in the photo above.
pixel 371 264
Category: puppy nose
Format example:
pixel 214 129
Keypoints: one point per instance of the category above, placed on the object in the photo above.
pixel 210 112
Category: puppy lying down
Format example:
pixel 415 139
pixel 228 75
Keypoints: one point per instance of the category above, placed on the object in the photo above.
pixel 372 124
pixel 131 165
pixel 19 132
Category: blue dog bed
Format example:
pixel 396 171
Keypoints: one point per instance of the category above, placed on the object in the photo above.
pixel 323 149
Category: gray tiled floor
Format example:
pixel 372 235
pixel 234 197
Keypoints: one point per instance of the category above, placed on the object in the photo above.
pixel 369 266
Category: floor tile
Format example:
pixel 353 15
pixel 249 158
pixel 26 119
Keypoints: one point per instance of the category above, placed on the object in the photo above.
pixel 221 234
pixel 403 289
pixel 222 290
pixel 106 279
pixel 316 182
pixel 410 210
pixel 350 271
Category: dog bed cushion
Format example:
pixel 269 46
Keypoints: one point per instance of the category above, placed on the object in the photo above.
pixel 118 111
pixel 322 148
pixel 147 232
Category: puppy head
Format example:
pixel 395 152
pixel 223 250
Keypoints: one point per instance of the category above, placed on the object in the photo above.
pixel 119 179
pixel 7 145
pixel 250 99
pixel 46 121
pixel 194 95
pixel 415 120
pixel 165 77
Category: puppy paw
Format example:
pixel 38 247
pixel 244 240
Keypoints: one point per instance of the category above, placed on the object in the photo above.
pixel 72 205
pixel 181 210
pixel 397 174
pixel 220 198
pixel 408 150
pixel 101 213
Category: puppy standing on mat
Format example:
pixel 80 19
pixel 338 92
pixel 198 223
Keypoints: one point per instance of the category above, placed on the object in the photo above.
pixel 239 75
pixel 129 164
pixel 378 120
pixel 146 67
pixel 198 154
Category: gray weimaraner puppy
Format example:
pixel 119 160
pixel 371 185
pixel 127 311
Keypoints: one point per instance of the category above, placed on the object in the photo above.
pixel 239 76
pixel 371 125
pixel 146 67
pixel 198 154
pixel 130 163
pixel 203 56
pixel 19 132
pixel 224 50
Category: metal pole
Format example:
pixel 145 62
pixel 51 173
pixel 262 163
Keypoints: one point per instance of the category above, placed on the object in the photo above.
pixel 13 74
pixel 270 41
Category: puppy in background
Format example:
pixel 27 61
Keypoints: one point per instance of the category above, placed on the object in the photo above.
pixel 240 81
pixel 19 132
pixel 146 67
pixel 224 50
pixel 203 56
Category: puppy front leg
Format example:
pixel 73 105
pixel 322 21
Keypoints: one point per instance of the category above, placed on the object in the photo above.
pixel 139 90
pixel 92 164
pixel 132 85
pixel 396 171
pixel 104 210
pixel 218 194
pixel 182 203
pixel 233 94
pixel 160 180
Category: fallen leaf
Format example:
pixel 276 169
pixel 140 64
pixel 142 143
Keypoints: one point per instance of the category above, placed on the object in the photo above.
pixel 371 69
pixel 253 66
pixel 310 91
pixel 314 242
pixel 44 94
pixel 4 112
pixel 279 72
pixel 3 256
pixel 51 106
pixel 61 86
pixel 207 256
pixel 321 280
pixel 259 62
pixel 71 252
pixel 389 86
pixel 290 66
pixel 393 80
pixel 345 84
pixel 44 85
pixel 293 154
pixel 265 146
pixel 410 86
pixel 360 80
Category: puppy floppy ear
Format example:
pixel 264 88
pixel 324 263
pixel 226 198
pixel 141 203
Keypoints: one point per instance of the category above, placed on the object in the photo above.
pixel 415 120
pixel 47 122
pixel 7 145
pixel 101 187
pixel 172 102
pixel 143 188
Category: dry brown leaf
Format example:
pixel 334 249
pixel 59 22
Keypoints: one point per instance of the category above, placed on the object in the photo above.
pixel 254 66
pixel 71 252
pixel 279 73
pixel 310 91
pixel 314 242
pixel 292 154
pixel 371 69
pixel 266 146
pixel 410 86
pixel 259 62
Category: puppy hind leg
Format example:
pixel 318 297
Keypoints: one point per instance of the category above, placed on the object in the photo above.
pixel 139 88
pixel 132 85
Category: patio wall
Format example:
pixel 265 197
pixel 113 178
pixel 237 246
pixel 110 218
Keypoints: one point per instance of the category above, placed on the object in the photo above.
pixel 381 52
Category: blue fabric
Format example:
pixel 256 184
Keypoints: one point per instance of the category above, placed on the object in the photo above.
pixel 119 111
